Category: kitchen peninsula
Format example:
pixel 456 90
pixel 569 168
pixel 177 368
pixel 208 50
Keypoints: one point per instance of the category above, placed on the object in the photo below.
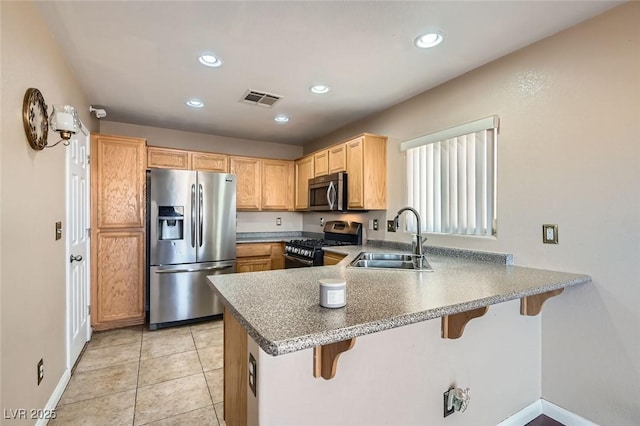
pixel 273 318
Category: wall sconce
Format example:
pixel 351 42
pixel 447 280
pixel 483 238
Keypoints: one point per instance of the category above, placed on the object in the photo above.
pixel 64 120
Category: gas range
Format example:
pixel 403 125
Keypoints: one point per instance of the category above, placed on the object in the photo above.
pixel 299 253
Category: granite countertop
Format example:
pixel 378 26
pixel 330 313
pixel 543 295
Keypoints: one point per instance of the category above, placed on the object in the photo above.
pixel 280 310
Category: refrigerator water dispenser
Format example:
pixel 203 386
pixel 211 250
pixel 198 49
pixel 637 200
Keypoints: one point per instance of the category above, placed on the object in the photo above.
pixel 171 222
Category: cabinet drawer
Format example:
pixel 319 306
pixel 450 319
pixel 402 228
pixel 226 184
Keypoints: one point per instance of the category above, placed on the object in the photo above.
pixel 253 249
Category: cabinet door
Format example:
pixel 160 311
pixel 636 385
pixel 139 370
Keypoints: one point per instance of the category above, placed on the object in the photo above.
pixel 165 158
pixel 248 179
pixel 277 185
pixel 355 173
pixel 253 264
pixel 205 162
pixel 118 181
pixel 321 163
pixel 303 172
pixel 337 159
pixel 332 258
pixel 119 278
pixel 277 255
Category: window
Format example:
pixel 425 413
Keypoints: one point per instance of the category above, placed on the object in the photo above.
pixel 451 179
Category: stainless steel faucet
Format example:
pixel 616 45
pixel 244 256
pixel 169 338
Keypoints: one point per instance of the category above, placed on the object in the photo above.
pixel 419 260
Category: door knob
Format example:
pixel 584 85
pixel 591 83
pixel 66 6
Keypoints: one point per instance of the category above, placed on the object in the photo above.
pixel 77 258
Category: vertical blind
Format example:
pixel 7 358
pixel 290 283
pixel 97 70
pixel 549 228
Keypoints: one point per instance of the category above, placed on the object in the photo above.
pixel 451 179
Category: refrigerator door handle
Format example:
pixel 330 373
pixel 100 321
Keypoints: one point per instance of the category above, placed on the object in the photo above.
pixel 176 271
pixel 193 215
pixel 201 213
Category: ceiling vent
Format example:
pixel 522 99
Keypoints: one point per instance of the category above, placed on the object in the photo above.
pixel 260 98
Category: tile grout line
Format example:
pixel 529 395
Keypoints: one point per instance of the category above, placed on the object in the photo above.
pixel 135 399
pixel 213 404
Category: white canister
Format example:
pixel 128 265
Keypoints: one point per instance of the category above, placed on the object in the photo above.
pixel 333 292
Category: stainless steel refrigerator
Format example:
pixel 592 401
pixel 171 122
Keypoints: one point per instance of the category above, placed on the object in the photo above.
pixel 192 234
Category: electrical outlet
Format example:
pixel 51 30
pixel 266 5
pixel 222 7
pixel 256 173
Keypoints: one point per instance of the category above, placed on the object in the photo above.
pixel 40 371
pixel 322 221
pixel 550 234
pixel 278 221
pixel 375 224
pixel 391 227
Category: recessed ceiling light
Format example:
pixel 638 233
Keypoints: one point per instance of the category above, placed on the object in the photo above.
pixel 195 103
pixel 319 88
pixel 281 118
pixel 425 41
pixel 210 60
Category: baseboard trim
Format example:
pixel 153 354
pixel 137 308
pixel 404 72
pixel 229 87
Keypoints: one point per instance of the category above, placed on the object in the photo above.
pixel 563 416
pixel 523 416
pixel 55 396
pixel 549 409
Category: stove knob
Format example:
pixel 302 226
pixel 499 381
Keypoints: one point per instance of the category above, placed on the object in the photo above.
pixel 306 253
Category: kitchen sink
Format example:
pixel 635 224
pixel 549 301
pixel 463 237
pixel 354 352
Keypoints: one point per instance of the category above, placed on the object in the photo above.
pixel 403 262
pixel 397 257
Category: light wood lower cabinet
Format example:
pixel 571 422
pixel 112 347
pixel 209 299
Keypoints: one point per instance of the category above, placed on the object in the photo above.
pixel 332 258
pixel 253 264
pixel 119 279
pixel 253 257
pixel 236 364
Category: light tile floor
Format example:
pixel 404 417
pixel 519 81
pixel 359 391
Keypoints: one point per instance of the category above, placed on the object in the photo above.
pixel 133 376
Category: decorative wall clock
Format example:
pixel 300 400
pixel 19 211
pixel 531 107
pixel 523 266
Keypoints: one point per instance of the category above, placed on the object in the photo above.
pixel 34 117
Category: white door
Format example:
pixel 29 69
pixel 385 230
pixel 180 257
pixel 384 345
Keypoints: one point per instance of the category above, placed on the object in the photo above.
pixel 77 243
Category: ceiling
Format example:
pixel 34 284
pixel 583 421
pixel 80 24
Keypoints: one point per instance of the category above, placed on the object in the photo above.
pixel 138 59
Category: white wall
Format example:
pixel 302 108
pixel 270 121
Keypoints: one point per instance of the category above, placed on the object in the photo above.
pixel 200 142
pixel 266 222
pixel 33 199
pixel 569 153
pixel 398 376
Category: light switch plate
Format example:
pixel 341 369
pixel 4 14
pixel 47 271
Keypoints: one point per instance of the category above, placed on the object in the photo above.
pixel 550 234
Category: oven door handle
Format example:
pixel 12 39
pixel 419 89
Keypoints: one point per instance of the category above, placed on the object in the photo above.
pixel 296 259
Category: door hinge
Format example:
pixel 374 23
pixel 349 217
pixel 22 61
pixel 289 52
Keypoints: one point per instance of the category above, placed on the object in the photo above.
pixel 88 159
pixel 88 309
pixel 88 232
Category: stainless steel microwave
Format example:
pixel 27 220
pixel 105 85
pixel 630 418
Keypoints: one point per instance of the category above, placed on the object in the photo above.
pixel 328 192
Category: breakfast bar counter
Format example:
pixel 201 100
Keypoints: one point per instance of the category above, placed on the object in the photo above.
pixel 280 309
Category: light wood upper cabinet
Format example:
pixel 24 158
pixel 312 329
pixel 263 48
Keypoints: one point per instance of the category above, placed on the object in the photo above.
pixel 321 163
pixel 337 158
pixel 165 158
pixel 179 159
pixel 209 162
pixel 118 179
pixel 304 171
pixel 367 172
pixel 277 185
pixel 248 178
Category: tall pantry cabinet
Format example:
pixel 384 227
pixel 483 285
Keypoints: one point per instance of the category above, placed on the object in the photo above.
pixel 118 207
